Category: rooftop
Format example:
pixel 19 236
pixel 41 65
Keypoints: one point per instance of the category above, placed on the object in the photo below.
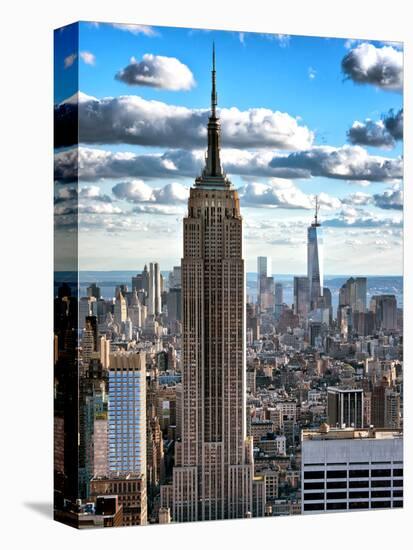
pixel 325 432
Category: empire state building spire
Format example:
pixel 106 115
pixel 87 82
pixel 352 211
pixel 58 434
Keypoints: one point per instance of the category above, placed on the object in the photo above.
pixel 214 97
pixel 213 173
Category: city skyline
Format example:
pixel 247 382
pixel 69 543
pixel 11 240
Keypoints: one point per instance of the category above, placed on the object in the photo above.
pixel 280 149
pixel 193 398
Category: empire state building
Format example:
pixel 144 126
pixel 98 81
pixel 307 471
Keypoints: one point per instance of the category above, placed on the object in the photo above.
pixel 213 472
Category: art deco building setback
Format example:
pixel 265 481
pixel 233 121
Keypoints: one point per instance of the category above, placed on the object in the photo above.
pixel 213 473
pixel 351 469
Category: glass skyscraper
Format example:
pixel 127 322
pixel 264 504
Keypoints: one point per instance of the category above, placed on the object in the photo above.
pixel 127 414
pixel 315 261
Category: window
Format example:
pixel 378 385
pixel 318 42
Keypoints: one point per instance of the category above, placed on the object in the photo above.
pixel 381 504
pixel 314 496
pixel 309 486
pixel 337 485
pixel 313 475
pixel 381 483
pixel 359 473
pixel 358 484
pixel 313 506
pixel 382 473
pixel 380 494
pixel 358 505
pixel 337 474
pixel 359 494
pixel 337 495
pixel 336 505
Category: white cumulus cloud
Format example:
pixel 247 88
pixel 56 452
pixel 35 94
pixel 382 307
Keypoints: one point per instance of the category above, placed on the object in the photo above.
pixel 381 67
pixel 157 71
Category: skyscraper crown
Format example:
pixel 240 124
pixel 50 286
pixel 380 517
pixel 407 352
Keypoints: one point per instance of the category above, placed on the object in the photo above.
pixel 213 174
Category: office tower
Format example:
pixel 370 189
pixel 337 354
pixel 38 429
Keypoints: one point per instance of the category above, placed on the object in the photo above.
pixel 263 268
pixel 87 307
pixel 157 289
pixel 127 413
pixel 66 397
pixel 364 323
pixel 120 310
pixel 378 404
pixel 367 409
pixel 253 322
pixel 100 445
pixel 385 308
pixel 315 333
pixel 353 293
pixel 131 492
pixel 89 338
pixel 315 261
pixel 351 469
pixel 174 299
pixel 93 290
pixel 301 297
pixel 154 290
pixel 345 321
pixel 135 310
pixel 265 285
pixel 360 294
pixel 212 477
pixel 137 282
pixel 278 300
pixel 392 409
pixel 155 452
pixel 175 277
pixel 326 303
pixel 104 350
pixel 128 329
pixel 345 407
pixel 92 407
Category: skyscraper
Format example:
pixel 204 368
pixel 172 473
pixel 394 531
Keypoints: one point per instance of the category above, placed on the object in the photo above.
pixel 127 413
pixel 351 469
pixel 315 260
pixel 345 407
pixel 154 290
pixel 213 473
pixel 353 293
pixel 265 285
pixel 301 296
pixel 120 310
pixel 278 299
pixel 385 308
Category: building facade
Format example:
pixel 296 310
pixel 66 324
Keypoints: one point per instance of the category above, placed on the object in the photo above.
pixel 213 473
pixel 350 469
pixel 315 261
pixel 127 414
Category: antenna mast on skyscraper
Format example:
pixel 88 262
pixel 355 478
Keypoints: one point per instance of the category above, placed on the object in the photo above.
pixel 317 209
pixel 214 98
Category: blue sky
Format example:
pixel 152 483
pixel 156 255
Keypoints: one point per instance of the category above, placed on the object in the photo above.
pixel 302 81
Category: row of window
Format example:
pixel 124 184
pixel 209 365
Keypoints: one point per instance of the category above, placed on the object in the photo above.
pixel 352 494
pixel 337 474
pixel 314 506
pixel 353 484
